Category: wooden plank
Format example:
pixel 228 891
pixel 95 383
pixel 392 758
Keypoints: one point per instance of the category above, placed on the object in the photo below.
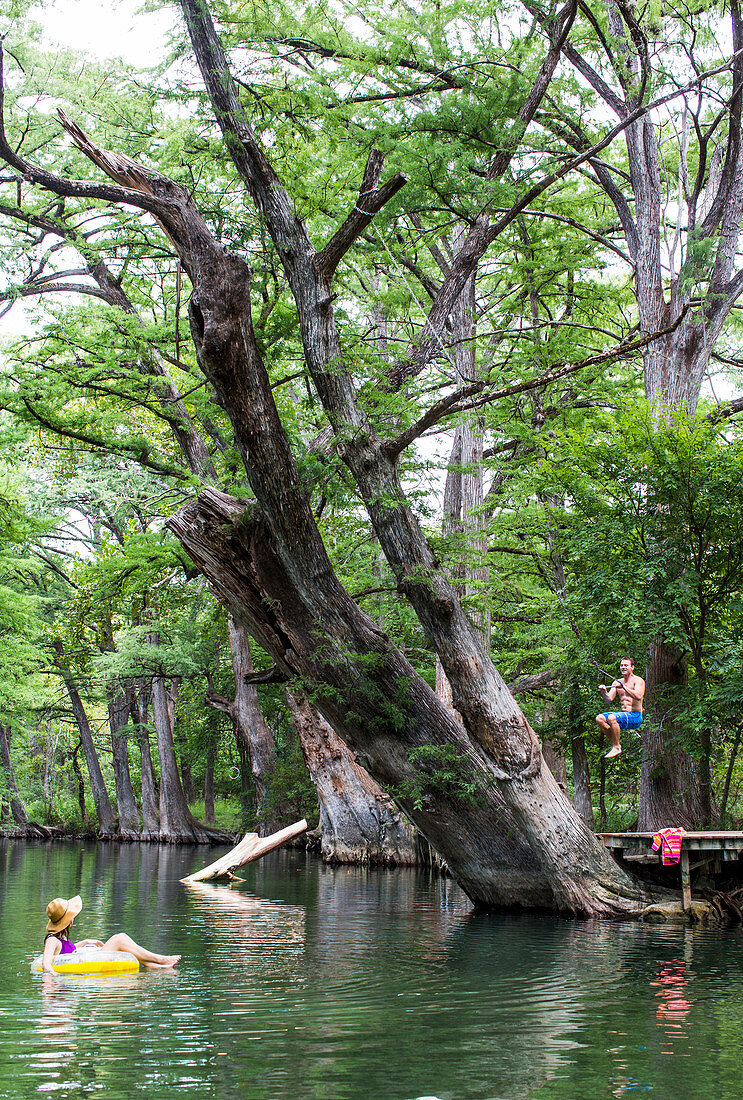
pixel 702 863
pixel 722 835
pixel 695 842
pixel 250 848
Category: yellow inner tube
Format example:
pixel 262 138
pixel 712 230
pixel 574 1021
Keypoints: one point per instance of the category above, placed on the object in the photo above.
pixel 90 960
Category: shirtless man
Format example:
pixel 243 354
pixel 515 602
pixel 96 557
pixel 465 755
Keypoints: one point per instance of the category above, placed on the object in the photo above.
pixel 631 692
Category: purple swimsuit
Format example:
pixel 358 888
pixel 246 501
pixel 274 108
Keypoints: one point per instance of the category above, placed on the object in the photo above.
pixel 67 947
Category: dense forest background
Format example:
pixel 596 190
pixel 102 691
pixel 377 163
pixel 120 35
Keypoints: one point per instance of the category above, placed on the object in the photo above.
pixel 560 407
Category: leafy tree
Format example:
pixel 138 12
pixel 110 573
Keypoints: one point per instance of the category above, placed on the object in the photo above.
pixel 652 540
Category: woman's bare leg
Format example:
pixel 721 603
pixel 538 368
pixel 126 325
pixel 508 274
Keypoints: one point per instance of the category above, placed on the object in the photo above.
pixel 121 942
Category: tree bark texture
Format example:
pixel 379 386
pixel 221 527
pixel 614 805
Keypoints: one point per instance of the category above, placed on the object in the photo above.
pixel 360 823
pixel 107 823
pixel 555 761
pixel 17 809
pixel 671 791
pixel 187 783
pixel 250 848
pixel 581 772
pixel 80 783
pixel 118 717
pixel 253 734
pixel 209 763
pixel 464 520
pixel 581 779
pixel 138 706
pixel 177 824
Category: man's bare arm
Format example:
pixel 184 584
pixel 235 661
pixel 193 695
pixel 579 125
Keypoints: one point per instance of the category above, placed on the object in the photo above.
pixel 608 695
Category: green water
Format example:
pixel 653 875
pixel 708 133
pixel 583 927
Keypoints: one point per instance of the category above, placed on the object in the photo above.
pixel 313 982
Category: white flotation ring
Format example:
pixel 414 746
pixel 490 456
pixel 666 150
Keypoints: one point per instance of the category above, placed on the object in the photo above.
pixel 90 960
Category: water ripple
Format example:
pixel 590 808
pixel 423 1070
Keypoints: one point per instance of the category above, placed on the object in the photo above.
pixel 310 982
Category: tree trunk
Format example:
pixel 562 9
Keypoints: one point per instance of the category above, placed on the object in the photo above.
pixel 255 742
pixel 118 717
pixel 150 795
pixel 555 761
pixel 602 793
pixel 80 783
pixel 510 837
pixel 581 774
pixel 176 821
pixel 17 809
pixel 189 787
pixel 729 774
pixel 582 780
pixel 670 781
pixel 360 823
pixel 48 750
pixel 106 817
pixel 463 520
pixel 209 763
pixel 250 848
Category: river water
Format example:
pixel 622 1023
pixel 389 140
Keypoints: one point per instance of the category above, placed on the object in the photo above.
pixel 306 981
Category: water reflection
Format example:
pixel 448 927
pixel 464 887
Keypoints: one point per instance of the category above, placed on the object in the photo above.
pixel 673 1001
pixel 56 1023
pixel 238 929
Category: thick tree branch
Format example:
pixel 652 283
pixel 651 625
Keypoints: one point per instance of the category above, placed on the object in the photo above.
pixel 58 185
pixel 600 238
pixel 730 178
pixel 172 407
pixel 286 228
pixel 534 682
pixel 558 28
pixel 219 702
pixel 444 78
pixel 29 290
pixel 140 454
pixel 272 675
pixel 726 410
pixel 372 198
pixel 433 248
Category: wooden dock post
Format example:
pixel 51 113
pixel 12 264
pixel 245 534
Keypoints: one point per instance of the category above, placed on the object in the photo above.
pixel 685 879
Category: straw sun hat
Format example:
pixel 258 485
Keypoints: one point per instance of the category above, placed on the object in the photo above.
pixel 61 911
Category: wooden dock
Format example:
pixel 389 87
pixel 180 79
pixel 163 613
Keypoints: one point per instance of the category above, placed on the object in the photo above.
pixel 714 848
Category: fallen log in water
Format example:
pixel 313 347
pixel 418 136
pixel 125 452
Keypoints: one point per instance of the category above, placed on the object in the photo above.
pixel 250 847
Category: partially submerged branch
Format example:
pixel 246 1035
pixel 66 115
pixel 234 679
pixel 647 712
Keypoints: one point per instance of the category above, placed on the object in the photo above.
pixel 250 848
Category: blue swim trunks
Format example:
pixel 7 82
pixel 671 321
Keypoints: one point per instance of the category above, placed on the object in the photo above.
pixel 626 719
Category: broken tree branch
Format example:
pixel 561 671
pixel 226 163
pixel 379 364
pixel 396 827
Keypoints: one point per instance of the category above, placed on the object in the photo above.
pixel 250 848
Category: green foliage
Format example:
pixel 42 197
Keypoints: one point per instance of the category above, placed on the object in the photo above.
pixel 22 650
pixel 439 768
pixel 291 794
pixel 652 530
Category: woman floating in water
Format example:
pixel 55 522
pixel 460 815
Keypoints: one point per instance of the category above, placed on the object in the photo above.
pixel 62 912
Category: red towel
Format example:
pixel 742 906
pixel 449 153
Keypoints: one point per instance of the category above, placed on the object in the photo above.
pixel 669 842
